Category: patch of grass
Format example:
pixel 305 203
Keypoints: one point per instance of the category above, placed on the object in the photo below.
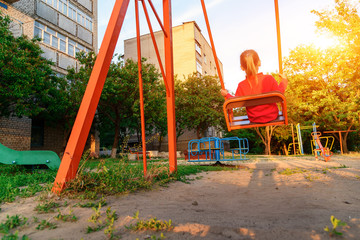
pixel 18 181
pixel 184 171
pixel 12 222
pixel 335 223
pixel 151 224
pixel 108 177
pixel 47 207
pixel 289 171
pixel 45 224
pixel 14 236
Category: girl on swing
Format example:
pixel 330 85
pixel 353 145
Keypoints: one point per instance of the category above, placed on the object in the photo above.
pixel 256 83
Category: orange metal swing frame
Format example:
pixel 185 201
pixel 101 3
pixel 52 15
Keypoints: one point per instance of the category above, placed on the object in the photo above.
pixel 80 131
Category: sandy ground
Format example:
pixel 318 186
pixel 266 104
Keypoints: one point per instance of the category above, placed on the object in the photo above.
pixel 255 202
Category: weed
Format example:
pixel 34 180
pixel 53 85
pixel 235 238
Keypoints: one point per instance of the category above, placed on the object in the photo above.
pixel 289 171
pixel 12 222
pixel 95 229
pixel 109 231
pixel 111 216
pixel 45 224
pixel 311 177
pixel 95 217
pixel 153 237
pixel 46 207
pixel 335 223
pixel 66 217
pixel 14 236
pixel 357 177
pixel 151 224
pixel 36 219
pixel 92 204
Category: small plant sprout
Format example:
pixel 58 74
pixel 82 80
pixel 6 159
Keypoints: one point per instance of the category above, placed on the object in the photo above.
pixel 45 224
pixel 96 215
pixel 335 223
pixel 66 217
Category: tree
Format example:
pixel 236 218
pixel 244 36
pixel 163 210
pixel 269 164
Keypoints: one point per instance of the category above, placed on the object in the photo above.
pixel 120 102
pixel 199 104
pixel 119 105
pixel 28 85
pixel 324 84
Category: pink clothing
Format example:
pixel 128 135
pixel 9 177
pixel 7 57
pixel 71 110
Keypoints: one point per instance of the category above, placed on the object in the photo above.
pixel 261 113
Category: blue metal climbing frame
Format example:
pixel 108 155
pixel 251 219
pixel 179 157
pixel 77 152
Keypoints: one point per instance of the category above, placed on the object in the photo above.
pixel 212 149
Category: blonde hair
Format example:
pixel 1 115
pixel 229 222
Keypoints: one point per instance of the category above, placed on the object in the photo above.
pixel 249 61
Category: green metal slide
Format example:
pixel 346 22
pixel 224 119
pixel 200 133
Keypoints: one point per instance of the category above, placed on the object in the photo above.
pixel 10 156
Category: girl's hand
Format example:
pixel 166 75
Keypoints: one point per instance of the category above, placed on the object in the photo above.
pixel 284 79
pixel 224 92
pixel 283 76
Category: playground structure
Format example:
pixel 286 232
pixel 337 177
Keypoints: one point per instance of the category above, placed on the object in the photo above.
pixel 76 143
pixel 319 150
pixel 212 149
pixel 10 156
pixel 297 145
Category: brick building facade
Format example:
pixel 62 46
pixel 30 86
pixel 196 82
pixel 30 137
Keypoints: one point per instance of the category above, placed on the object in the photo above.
pixel 65 27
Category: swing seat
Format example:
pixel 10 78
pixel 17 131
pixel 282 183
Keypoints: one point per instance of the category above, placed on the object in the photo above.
pixel 240 122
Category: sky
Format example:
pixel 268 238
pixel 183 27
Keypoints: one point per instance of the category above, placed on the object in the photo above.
pixel 236 25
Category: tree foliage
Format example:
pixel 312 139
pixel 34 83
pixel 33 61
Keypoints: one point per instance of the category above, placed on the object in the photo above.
pixel 199 104
pixel 324 83
pixel 119 105
pixel 28 85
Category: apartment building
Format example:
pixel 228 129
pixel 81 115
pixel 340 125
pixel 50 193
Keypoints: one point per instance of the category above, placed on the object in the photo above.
pixel 191 53
pixel 65 28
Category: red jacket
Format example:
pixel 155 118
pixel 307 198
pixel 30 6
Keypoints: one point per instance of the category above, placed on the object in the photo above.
pixel 261 113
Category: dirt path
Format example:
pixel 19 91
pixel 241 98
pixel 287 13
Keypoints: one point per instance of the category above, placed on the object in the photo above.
pixel 256 202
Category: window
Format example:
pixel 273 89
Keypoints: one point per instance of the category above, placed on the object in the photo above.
pixel 198 47
pixel 46 38
pixel 71 48
pixel 57 40
pixel 68 9
pixel 204 58
pixel 198 67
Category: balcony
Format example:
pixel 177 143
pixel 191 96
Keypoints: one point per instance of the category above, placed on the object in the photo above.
pixel 11 1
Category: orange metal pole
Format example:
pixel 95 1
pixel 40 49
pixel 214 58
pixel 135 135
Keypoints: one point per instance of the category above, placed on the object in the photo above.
pixel 278 35
pixel 157 17
pixel 85 116
pixel 212 44
pixel 141 90
pixel 170 96
pixel 155 45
